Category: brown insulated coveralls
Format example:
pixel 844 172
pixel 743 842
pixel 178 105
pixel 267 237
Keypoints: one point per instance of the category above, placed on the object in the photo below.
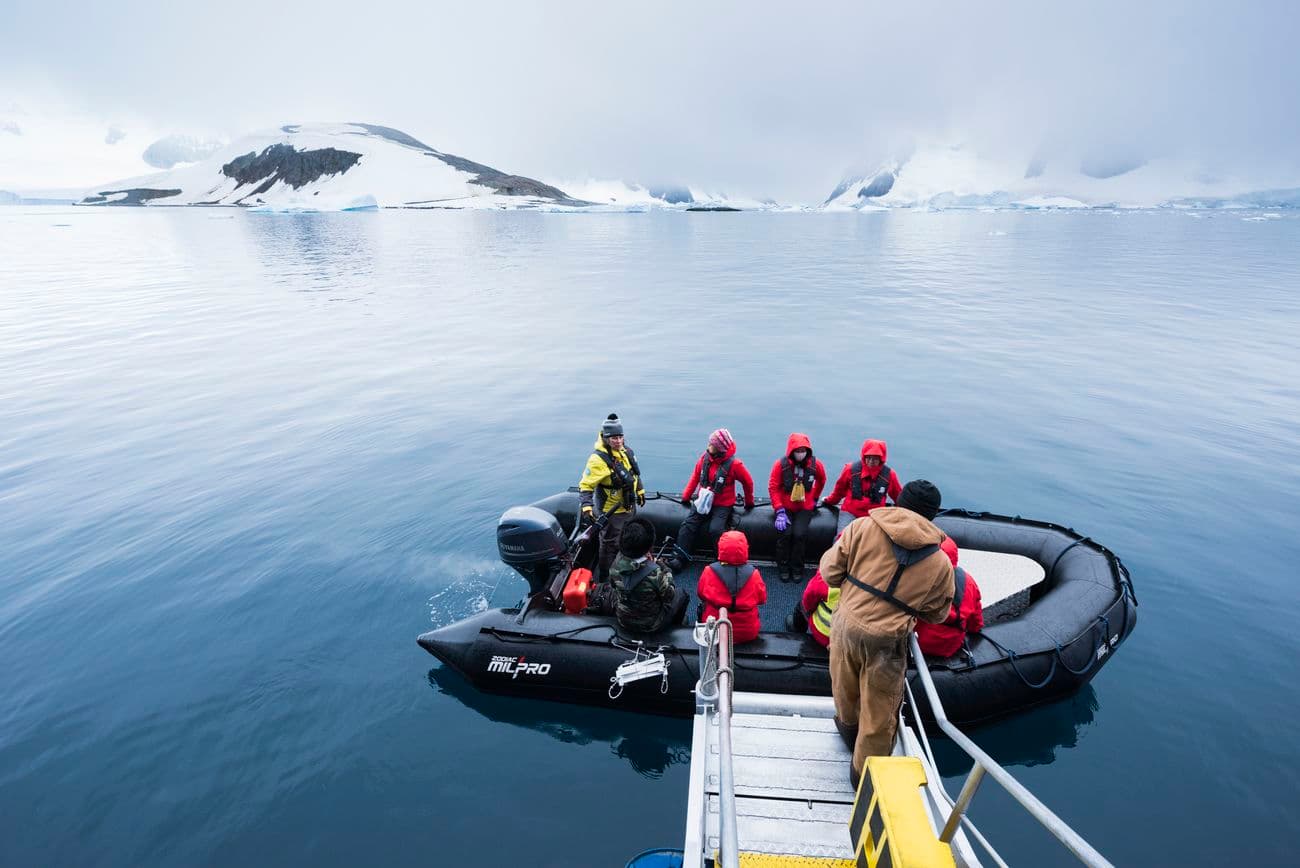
pixel 869 634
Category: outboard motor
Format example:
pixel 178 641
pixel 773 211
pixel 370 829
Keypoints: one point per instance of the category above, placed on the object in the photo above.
pixel 531 540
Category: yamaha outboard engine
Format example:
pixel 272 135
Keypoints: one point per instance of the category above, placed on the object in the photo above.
pixel 531 540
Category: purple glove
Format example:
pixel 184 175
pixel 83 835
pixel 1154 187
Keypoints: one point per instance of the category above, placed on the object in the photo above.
pixel 782 520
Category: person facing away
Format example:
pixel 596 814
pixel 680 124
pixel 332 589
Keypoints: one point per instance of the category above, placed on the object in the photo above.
pixel 816 608
pixel 610 487
pixel 890 572
pixel 710 494
pixel 733 582
pixel 966 615
pixel 795 483
pixel 865 484
pixel 645 597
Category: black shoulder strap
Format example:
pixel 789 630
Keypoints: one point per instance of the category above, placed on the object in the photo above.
pixel 855 479
pixel 719 481
pixel 959 581
pixel 790 471
pixel 905 559
pixel 617 471
pixel 880 485
pixel 643 572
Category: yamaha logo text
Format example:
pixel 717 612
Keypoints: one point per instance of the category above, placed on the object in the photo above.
pixel 516 666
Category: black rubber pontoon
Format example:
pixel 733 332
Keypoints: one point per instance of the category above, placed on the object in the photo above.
pixel 1046 647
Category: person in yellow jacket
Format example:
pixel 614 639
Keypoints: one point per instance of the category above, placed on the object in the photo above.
pixel 610 489
pixel 891 571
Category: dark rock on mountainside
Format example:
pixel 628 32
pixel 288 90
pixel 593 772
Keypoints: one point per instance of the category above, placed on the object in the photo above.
pixel 879 186
pixel 672 195
pixel 286 163
pixel 485 176
pixel 134 196
pixel 397 137
pixel 500 182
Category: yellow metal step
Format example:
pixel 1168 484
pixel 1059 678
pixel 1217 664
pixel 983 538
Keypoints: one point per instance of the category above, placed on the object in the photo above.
pixel 776 860
pixel 889 824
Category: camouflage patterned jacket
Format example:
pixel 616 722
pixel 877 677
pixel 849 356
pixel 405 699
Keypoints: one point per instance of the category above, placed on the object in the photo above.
pixel 645 608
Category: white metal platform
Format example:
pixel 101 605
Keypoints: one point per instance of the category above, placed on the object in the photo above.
pixel 791 781
pixel 770 775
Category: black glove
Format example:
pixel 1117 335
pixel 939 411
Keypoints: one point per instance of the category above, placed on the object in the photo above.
pixel 749 507
pixel 585 517
pixel 640 498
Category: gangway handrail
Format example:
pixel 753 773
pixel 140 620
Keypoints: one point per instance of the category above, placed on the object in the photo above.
pixel 715 688
pixel 1073 841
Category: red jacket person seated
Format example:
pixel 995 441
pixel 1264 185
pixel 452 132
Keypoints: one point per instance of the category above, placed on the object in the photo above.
pixel 733 582
pixel 865 484
pixel 965 616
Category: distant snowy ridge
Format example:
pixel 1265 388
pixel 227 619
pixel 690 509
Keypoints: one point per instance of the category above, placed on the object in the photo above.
pixel 626 195
pixel 940 177
pixel 331 167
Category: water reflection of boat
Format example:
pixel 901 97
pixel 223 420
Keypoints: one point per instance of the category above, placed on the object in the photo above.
pixel 649 746
pixel 1029 739
pixel 1062 631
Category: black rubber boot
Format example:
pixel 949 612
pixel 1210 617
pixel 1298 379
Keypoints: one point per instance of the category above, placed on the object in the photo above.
pixel 848 733
pixel 797 621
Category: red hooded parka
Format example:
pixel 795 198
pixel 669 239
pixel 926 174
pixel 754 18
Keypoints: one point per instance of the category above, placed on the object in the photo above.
pixel 944 640
pixel 733 548
pixel 738 473
pixel 858 507
pixel 776 489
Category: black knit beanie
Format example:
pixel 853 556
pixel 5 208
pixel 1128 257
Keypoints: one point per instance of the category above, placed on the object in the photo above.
pixel 921 496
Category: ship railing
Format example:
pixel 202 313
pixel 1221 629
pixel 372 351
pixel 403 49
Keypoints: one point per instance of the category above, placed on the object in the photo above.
pixel 713 696
pixel 986 765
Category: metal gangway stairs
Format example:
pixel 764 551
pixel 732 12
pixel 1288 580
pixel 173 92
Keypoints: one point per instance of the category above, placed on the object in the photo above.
pixel 769 784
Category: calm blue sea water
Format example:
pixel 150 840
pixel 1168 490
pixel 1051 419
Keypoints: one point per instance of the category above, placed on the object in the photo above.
pixel 246 458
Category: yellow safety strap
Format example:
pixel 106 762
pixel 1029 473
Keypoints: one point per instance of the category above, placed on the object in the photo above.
pixel 825 609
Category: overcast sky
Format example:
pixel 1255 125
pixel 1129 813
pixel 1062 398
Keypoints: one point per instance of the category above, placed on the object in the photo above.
pixel 745 98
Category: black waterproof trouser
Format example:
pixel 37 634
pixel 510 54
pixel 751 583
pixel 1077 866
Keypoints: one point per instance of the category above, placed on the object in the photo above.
pixel 677 610
pixel 790 543
pixel 718 519
pixel 609 535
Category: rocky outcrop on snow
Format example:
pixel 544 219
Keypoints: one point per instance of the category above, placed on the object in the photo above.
pixel 286 164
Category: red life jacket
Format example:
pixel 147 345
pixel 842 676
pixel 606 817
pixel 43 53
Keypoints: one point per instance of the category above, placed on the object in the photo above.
pixel 876 489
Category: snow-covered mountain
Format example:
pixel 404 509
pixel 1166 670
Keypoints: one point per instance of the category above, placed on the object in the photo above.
pixel 330 167
pixel 625 195
pixel 942 176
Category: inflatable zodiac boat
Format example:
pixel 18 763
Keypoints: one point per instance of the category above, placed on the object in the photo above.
pixel 1056 606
